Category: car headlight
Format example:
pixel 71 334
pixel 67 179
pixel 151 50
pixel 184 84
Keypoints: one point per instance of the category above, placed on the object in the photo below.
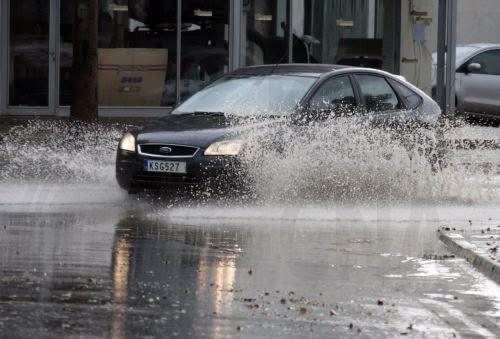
pixel 227 147
pixel 127 143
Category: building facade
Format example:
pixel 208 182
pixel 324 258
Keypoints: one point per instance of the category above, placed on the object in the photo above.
pixel 154 54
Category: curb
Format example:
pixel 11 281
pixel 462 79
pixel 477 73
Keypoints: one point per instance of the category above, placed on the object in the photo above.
pixel 457 244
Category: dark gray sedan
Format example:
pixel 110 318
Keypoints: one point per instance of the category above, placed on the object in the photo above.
pixel 200 141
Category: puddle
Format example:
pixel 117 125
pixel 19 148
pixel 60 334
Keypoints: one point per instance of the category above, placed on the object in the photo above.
pixel 487 289
pixel 433 270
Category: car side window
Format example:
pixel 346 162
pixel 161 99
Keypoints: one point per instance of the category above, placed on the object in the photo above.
pixel 377 94
pixel 335 95
pixel 489 61
pixel 413 100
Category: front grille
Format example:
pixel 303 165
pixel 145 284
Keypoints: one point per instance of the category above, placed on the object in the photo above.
pixel 165 179
pixel 170 151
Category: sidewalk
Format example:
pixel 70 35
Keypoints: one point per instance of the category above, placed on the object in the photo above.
pixel 479 246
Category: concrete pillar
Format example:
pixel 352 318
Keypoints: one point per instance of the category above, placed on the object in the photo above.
pixel 446 55
pixel 451 55
pixel 416 57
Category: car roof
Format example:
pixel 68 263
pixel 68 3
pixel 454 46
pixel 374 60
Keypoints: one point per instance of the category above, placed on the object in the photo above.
pixel 479 45
pixel 315 70
pixel 476 48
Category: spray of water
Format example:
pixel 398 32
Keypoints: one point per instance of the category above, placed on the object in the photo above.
pixel 336 160
pixel 59 152
pixel 342 160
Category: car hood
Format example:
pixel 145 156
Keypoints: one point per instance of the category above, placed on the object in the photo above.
pixel 198 130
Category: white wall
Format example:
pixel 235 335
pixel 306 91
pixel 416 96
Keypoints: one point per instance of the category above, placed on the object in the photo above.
pixel 418 72
pixel 478 21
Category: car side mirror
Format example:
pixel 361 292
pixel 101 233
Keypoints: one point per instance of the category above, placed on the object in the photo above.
pixel 473 67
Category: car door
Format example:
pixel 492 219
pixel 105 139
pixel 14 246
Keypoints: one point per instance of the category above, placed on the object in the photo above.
pixel 478 91
pixel 380 101
pixel 334 97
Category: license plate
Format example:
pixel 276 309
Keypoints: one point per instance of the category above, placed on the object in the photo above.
pixel 164 166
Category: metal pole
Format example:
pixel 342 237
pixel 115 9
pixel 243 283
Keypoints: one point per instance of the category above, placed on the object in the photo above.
pixel 290 31
pixel 54 64
pixel 7 53
pixel 311 24
pixel 3 59
pixel 178 53
pixel 371 19
pixel 230 37
pixel 243 38
pixel 235 28
pixel 451 39
pixel 441 54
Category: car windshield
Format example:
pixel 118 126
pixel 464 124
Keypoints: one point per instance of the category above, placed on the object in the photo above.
pixel 263 95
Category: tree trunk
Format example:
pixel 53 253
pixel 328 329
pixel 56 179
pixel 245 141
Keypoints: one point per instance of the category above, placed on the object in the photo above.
pixel 84 101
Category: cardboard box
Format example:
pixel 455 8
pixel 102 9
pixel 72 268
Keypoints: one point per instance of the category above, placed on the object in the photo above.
pixel 131 76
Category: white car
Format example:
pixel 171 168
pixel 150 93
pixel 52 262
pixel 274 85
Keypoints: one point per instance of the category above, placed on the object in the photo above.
pixel 477 84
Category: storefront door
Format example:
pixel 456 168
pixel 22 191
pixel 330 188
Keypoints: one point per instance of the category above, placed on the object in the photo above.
pixel 30 58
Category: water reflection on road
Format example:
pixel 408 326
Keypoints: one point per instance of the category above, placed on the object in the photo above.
pixel 189 271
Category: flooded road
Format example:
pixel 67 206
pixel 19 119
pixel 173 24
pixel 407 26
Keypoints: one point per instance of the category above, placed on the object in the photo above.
pixel 125 268
pixel 81 257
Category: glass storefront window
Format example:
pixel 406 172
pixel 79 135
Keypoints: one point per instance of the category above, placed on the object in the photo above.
pixel 347 32
pixel 29 53
pixel 204 44
pixel 137 52
pixel 66 52
pixel 138 42
pixel 264 32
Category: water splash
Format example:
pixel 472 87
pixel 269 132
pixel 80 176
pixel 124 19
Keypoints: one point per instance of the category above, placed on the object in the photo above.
pixel 59 152
pixel 342 160
pixel 336 160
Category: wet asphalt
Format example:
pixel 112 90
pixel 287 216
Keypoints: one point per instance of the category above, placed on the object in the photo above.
pixel 87 261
